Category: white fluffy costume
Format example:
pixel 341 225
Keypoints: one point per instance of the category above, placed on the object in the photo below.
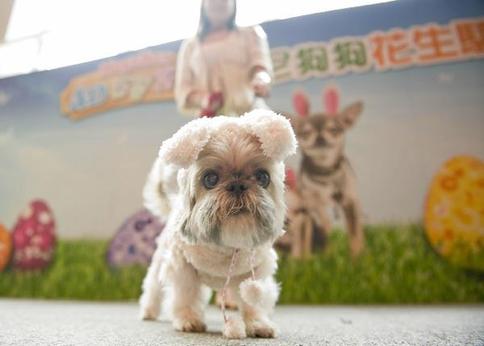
pixel 189 259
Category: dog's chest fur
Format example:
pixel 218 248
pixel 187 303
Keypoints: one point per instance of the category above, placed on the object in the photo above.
pixel 328 184
pixel 212 263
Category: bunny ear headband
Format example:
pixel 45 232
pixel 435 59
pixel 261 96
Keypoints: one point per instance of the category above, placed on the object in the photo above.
pixel 273 131
pixel 330 99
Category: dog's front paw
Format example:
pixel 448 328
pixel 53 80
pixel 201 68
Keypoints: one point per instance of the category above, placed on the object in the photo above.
pixel 189 325
pixel 149 313
pixel 234 328
pixel 261 329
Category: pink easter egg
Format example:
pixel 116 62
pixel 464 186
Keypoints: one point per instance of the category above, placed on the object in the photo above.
pixel 34 237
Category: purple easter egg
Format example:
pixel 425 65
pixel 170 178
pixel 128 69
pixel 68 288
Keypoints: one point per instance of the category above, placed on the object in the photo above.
pixel 34 237
pixel 135 240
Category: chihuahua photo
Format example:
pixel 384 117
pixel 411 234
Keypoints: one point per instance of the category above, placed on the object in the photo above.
pixel 218 183
pixel 326 177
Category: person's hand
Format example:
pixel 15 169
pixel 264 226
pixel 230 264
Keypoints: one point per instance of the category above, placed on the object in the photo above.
pixel 261 83
pixel 211 104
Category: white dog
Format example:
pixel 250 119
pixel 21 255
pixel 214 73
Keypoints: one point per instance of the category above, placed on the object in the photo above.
pixel 219 185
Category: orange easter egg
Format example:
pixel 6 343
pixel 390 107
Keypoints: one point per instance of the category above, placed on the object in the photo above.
pixel 454 212
pixel 5 247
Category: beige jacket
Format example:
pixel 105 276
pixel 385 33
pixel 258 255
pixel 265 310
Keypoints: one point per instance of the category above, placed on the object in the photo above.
pixel 222 66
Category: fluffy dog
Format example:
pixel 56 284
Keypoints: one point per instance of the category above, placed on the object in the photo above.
pixel 219 183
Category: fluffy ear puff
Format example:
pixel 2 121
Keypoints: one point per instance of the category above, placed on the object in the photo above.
pixel 300 103
pixel 274 132
pixel 259 293
pixel 183 148
pixel 351 113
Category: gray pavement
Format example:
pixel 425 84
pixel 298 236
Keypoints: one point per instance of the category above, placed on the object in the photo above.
pixel 26 322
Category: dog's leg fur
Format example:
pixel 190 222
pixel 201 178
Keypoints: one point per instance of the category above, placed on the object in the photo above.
pixel 256 319
pixel 354 224
pixel 307 226
pixel 150 301
pixel 230 303
pixel 188 298
pixel 323 218
pixel 296 229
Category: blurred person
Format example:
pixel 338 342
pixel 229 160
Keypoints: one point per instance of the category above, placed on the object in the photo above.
pixel 223 69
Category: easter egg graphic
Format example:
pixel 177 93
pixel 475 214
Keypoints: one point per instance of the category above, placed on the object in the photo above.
pixel 135 240
pixel 5 247
pixel 34 237
pixel 454 212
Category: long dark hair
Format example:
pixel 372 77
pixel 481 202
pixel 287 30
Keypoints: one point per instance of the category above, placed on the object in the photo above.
pixel 204 26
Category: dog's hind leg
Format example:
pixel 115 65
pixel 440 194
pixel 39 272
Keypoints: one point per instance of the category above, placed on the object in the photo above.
pixel 150 300
pixel 230 303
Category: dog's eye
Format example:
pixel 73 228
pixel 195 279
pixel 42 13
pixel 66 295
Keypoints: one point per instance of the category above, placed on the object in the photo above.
pixel 210 179
pixel 262 177
pixel 305 133
pixel 334 131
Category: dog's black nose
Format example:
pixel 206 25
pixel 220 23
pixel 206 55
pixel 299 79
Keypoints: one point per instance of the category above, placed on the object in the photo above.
pixel 237 188
pixel 320 141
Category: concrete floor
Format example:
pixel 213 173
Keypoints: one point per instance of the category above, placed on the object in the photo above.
pixel 24 322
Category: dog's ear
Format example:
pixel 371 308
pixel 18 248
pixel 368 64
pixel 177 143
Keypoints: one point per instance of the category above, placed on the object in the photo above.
pixel 183 148
pixel 274 132
pixel 294 120
pixel 349 115
pixel 300 102
pixel 331 100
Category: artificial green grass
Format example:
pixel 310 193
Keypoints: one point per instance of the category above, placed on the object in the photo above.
pixel 79 271
pixel 398 266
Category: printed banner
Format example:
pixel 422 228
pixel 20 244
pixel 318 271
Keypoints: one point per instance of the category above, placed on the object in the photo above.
pixel 145 77
pixel 381 51
pixel 149 76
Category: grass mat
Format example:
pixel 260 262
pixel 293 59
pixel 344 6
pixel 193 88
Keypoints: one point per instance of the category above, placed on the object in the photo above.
pixel 398 266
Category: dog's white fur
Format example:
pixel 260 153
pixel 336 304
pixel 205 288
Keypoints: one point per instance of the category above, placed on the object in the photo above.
pixel 186 262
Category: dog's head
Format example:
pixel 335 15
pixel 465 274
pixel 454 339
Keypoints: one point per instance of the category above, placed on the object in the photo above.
pixel 231 179
pixel 321 136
